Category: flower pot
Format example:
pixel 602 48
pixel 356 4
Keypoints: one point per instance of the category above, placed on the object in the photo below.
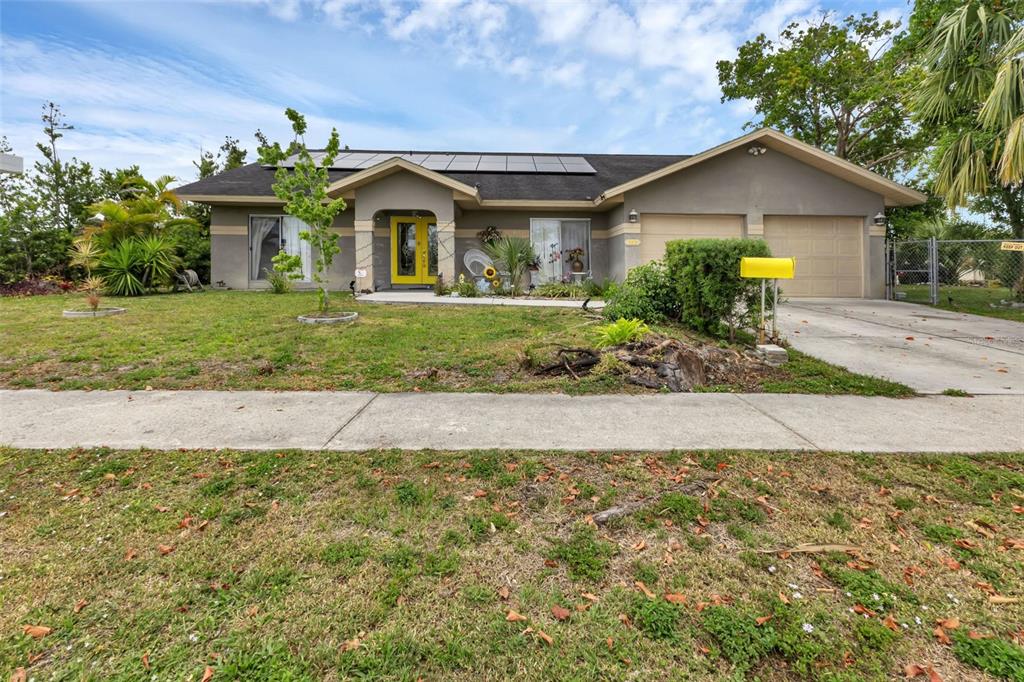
pixel 576 266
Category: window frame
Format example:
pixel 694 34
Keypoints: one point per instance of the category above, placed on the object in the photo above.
pixel 589 269
pixel 280 229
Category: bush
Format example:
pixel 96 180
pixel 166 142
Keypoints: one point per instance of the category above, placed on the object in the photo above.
pixel 286 270
pixel 514 255
pixel 705 274
pixel 621 332
pixel 647 294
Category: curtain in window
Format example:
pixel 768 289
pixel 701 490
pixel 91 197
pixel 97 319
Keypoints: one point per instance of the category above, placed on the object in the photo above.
pixel 575 235
pixel 292 244
pixel 260 241
pixel 547 244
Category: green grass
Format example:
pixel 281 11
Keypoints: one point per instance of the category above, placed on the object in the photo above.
pixel 973 300
pixel 298 573
pixel 251 340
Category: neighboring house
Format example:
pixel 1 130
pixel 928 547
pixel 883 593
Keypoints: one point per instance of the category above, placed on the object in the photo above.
pixel 412 215
pixel 11 163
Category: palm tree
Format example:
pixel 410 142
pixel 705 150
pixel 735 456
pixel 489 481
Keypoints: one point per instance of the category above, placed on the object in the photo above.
pixel 973 91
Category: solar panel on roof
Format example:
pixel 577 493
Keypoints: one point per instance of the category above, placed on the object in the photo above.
pixel 465 163
pixel 438 161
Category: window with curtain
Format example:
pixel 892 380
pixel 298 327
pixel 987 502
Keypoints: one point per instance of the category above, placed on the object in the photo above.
pixel 556 242
pixel 269 235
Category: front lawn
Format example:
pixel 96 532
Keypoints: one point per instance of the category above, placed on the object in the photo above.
pixel 489 565
pixel 973 300
pixel 248 340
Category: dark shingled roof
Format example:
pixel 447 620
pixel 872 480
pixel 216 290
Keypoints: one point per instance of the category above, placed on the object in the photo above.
pixel 612 170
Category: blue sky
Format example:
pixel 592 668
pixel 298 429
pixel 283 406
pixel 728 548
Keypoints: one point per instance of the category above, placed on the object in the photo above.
pixel 151 83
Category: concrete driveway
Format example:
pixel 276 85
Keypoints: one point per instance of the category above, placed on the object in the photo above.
pixel 925 348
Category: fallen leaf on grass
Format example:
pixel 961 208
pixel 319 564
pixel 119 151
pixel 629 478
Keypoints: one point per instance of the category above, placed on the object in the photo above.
pixel 997 599
pixel 783 598
pixel 130 554
pixel 165 549
pixel 643 588
pixel 941 635
pixel 546 637
pixel 79 605
pixel 912 671
pixel 36 631
pixel 624 619
pixel 145 661
pixel 950 563
pixel 207 674
pixel 590 597
pixel 162 509
pixel 948 623
pixel 560 612
pixel 675 598
pixel 514 617
pixel 977 635
pixel 863 610
pixel 19 675
pixel 350 644
pixel 1013 543
pixel 980 528
pixel 890 623
pixel 762 620
pixel 639 546
pixel 503 593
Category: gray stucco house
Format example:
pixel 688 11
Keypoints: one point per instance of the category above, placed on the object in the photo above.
pixel 412 215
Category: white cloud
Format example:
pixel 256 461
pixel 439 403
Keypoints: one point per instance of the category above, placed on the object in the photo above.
pixel 569 74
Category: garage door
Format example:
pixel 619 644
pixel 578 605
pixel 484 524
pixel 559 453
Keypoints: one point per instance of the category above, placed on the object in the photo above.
pixel 827 251
pixel 657 229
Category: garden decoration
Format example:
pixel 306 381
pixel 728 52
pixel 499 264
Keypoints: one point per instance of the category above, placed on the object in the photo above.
pixel 765 269
pixel 575 258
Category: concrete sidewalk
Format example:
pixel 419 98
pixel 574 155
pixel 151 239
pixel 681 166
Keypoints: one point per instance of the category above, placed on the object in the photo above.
pixel 357 421
pixel 419 297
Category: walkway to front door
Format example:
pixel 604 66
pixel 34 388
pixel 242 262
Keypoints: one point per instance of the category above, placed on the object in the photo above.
pixel 413 250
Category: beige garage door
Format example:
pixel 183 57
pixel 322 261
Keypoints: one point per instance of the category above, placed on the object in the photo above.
pixel 827 251
pixel 659 228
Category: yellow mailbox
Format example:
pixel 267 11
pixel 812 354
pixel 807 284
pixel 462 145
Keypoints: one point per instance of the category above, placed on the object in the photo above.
pixel 767 268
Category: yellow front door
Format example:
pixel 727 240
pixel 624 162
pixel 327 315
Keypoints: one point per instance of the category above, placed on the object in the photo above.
pixel 413 250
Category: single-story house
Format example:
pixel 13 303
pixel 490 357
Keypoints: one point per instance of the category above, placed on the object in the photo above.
pixel 413 215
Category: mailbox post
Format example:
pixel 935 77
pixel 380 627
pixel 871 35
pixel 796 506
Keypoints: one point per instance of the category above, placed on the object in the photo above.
pixel 765 269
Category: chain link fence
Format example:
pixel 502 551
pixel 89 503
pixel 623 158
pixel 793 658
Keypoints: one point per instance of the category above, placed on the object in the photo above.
pixel 965 274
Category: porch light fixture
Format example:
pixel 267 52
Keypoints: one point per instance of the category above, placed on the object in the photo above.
pixel 756 149
pixel 634 216
pixel 880 219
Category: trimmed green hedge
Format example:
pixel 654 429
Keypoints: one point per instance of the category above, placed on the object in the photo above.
pixel 706 275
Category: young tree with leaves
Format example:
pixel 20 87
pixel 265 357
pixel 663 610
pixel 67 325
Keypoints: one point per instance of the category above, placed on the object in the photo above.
pixel 833 85
pixel 972 97
pixel 303 188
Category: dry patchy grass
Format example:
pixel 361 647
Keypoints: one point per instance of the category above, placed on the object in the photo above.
pixel 392 565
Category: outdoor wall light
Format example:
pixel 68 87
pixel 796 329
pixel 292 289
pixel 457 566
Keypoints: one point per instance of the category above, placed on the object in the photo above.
pixel 634 216
pixel 880 219
pixel 756 149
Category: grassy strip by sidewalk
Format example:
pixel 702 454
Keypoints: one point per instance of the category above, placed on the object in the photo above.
pixel 963 299
pixel 249 340
pixel 487 565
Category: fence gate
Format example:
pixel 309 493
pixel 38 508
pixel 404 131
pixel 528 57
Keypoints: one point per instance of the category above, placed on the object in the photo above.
pixel 960 273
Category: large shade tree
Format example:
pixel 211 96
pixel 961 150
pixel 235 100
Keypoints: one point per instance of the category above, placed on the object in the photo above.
pixel 972 97
pixel 832 84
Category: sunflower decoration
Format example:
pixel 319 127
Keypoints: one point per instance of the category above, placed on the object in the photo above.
pixel 490 273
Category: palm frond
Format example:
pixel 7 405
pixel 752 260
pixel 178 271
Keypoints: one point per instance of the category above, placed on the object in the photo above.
pixel 1011 163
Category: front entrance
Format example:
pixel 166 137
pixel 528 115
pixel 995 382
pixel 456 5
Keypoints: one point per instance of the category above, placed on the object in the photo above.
pixel 413 250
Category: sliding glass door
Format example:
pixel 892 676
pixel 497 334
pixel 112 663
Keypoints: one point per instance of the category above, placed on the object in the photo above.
pixel 269 235
pixel 562 247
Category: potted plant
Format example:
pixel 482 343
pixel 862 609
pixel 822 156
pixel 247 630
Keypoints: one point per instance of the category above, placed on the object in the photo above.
pixel 575 258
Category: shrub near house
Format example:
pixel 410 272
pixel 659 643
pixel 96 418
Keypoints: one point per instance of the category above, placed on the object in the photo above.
pixel 699 284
